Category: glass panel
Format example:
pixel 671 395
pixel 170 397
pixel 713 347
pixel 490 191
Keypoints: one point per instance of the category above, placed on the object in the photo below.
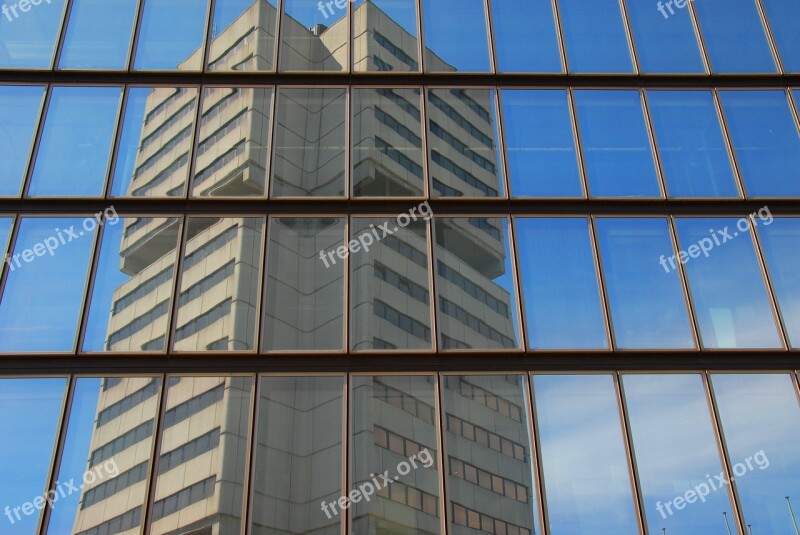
pixel 202 464
pixel 588 488
pixel 387 143
pixel 477 303
pixel 540 144
pixel 780 243
pixel 647 306
pixel 491 473
pixel 734 37
pixel 766 141
pixel 171 35
pixel 19 114
pixel 394 434
pixel 463 141
pixel 760 419
pixel 220 279
pixel 665 46
pixel 783 16
pixel 232 152
pixel 525 38
pixel 243 35
pixel 558 274
pixel 691 144
pixel 99 34
pixel 595 36
pixel 132 293
pixel 455 36
pixel 667 412
pixel 31 408
pixel 298 455
pixel 156 142
pixel 615 143
pixel 28 33
pixel 46 279
pixel 304 300
pixel 385 36
pixel 107 455
pixel 310 143
pixel 727 286
pixel 76 143
pixel 314 36
pixel 390 291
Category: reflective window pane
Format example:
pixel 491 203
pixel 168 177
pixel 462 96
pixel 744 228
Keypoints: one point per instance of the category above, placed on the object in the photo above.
pixel 615 143
pixel 314 36
pixel 540 143
pixel 385 36
pixel 131 297
pixel 75 148
pixel 760 419
pixel 780 243
pixel 783 17
pixel 559 281
pixel 99 34
pixel 156 142
pixel 19 113
pixel 476 295
pixel 647 304
pixel 456 36
pixel 387 143
pixel 171 35
pixel 28 36
pixel 667 412
pixel 525 38
pixel 394 432
pixel 586 470
pixel 220 279
pixel 309 143
pixel 691 145
pixel 304 299
pixel 594 36
pixel 243 35
pixel 664 46
pixel 46 279
pixel 727 287
pixel 766 141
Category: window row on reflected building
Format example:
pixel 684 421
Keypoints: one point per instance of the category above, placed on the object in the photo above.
pixel 536 36
pixel 380 142
pixel 333 283
pixel 556 453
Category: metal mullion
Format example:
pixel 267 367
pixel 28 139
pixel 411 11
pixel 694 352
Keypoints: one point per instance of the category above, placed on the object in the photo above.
pixel 773 45
pixel 346 280
pixel 273 126
pixel 9 245
pixel 348 13
pixel 115 145
pixel 172 320
pixel 701 43
pixel 611 338
pixel 39 132
pixel 346 518
pixel 188 190
pixel 737 174
pixel 562 44
pixel 278 38
pixel 576 137
pixel 94 262
pixel 250 453
pixel 651 137
pixel 420 44
pixel 262 299
pixel 155 456
pixel 487 16
pixel 536 469
pixel 348 161
pixel 423 119
pixel 205 60
pixel 502 165
pixel 441 443
pixel 536 452
pixel 630 453
pixel 772 293
pixel 517 284
pixel 433 263
pixel 137 28
pixel 796 383
pixel 793 108
pixel 629 34
pixel 687 293
pixel 62 34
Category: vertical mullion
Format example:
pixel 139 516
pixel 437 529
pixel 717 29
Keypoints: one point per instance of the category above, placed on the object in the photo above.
pixel 260 309
pixel 611 339
pixel 250 455
pixel 346 518
pixel 502 165
pixel 487 15
pixel 212 5
pixel 535 452
pixel 441 417
pixel 737 173
pixel 433 263
pixel 772 294
pixel 39 132
pixel 423 120
pixel 773 46
pixel 630 452
pixel 421 39
pixel 94 262
pixel 629 35
pixel 152 480
pixel 701 43
pixel 689 302
pixel 188 188
pixel 137 29
pixel 115 145
pixel 515 280
pixel 62 34
pixel 172 320
pixel 11 242
pixel 576 136
pixel 651 135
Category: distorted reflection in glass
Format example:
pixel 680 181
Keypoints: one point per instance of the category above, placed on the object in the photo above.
pixel 456 36
pixel 99 34
pixel 171 35
pixel 310 143
pixel 727 286
pixel 760 419
pixel 586 471
pixel 385 36
pixel 20 106
pixel 783 16
pixel 491 474
pixel 664 46
pixel 107 454
pixel 132 292
pixel 691 144
pixel 202 459
pixel 540 143
pixel 616 144
pixel 75 148
pixel 243 35
pixel 32 409
pixel 766 141
pixel 390 301
pixel 298 455
pixel 780 243
pixel 476 296
pixel 646 301
pixel 41 304
pixel 220 279
pixel 314 36
pixel 560 284
pixel 28 36
pixel 594 36
pixel 464 145
pixel 156 142
pixel 387 143
pixel 304 299
pixel 232 151
pixel 667 413
pixel 525 37
pixel 394 433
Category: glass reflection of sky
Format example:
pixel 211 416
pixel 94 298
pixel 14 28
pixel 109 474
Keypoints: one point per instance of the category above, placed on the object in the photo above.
pixel 98 34
pixel 780 243
pixel 455 32
pixel 28 41
pixel 19 111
